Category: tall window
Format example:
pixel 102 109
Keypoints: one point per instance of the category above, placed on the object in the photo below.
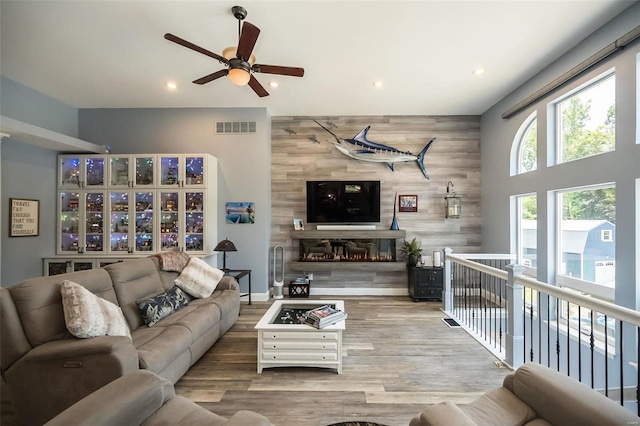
pixel 586 260
pixel 527 237
pixel 586 121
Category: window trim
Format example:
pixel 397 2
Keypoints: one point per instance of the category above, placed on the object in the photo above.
pixel 557 119
pixel 516 146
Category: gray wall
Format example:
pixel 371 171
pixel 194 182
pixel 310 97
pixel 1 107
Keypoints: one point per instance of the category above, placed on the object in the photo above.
pixel 621 166
pixel 30 172
pixel 243 164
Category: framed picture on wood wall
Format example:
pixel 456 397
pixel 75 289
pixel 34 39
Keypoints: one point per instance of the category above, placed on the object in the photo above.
pixel 408 203
pixel 24 218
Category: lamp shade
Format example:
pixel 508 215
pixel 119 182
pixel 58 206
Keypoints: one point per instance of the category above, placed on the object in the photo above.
pixel 225 246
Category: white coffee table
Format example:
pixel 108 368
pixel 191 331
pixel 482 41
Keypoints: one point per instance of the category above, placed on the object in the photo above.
pixel 299 345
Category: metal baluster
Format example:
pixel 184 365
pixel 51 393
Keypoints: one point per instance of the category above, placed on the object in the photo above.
pixel 592 347
pixel 500 311
pixel 621 363
pixel 558 303
pixel 524 327
pixel 638 371
pixel 484 301
pixel 579 344
pixel 568 339
pixel 539 327
pixel 606 359
pixel 548 331
pixel 466 292
pixel 531 328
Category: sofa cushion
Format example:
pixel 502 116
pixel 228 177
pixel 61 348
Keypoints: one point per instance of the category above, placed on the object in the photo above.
pixel 499 407
pixel 442 414
pixel 153 309
pixel 198 278
pixel 39 303
pixel 87 315
pixel 134 280
pixel 159 346
pixel 198 319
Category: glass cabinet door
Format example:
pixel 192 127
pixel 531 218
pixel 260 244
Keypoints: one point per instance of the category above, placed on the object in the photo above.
pixel 119 222
pixel 144 170
pixel 69 171
pixel 119 171
pixel 169 221
pixel 194 221
pixel 94 171
pixel 170 170
pixel 144 221
pixel 194 171
pixel 69 225
pixel 94 222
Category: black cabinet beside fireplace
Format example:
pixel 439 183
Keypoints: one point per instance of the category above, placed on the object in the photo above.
pixel 425 283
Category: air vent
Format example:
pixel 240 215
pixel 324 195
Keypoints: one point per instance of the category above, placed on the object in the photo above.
pixel 235 127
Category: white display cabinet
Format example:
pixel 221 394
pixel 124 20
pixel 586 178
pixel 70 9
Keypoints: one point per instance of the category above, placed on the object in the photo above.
pixel 81 222
pixel 131 222
pixel 125 222
pixel 82 171
pixel 132 171
pixel 183 170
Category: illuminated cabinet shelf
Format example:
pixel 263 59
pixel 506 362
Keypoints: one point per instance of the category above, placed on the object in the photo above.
pixel 150 203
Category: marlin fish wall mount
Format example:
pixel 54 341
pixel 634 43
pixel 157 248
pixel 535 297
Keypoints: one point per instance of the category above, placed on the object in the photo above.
pixel 360 148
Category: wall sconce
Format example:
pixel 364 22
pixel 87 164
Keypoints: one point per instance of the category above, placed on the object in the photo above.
pixel 453 204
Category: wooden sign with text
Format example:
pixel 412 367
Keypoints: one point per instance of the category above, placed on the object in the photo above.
pixel 24 220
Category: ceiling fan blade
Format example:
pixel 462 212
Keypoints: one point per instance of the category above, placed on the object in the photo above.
pixel 248 39
pixel 257 87
pixel 211 77
pixel 276 69
pixel 189 45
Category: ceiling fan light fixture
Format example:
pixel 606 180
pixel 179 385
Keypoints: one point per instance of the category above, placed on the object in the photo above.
pixel 273 84
pixel 231 52
pixel 171 85
pixel 478 71
pixel 239 76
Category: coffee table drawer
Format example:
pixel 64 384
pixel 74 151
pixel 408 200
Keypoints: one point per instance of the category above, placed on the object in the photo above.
pixel 299 356
pixel 302 345
pixel 300 335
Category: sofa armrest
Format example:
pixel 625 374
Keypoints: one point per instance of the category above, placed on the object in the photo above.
pixel 73 348
pixel 442 414
pixel 129 400
pixel 79 366
pixel 228 283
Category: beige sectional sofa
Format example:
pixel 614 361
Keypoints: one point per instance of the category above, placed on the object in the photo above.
pixel 47 369
pixel 533 395
pixel 143 398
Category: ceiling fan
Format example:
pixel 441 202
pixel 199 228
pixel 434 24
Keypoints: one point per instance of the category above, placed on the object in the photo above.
pixel 240 61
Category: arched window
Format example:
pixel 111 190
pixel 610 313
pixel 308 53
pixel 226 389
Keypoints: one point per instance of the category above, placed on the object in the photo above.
pixel 525 147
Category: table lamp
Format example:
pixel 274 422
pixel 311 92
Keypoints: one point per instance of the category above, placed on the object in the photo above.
pixel 225 246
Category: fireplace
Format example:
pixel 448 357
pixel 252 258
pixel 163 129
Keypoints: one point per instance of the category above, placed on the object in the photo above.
pixel 348 250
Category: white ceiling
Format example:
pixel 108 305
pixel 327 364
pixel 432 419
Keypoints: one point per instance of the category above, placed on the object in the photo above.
pixel 112 54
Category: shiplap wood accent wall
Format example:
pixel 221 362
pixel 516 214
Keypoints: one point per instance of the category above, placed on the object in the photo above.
pixel 455 156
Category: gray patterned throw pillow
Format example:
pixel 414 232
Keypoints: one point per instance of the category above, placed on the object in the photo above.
pixel 153 309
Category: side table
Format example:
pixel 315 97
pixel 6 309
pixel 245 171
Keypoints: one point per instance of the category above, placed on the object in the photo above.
pixel 239 273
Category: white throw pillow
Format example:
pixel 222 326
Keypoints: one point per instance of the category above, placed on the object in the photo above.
pixel 87 315
pixel 198 278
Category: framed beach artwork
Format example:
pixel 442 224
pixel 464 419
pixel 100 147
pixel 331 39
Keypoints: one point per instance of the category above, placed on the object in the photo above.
pixel 408 203
pixel 298 225
pixel 240 212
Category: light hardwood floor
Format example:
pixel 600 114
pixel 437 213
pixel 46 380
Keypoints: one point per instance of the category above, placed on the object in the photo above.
pixel 397 356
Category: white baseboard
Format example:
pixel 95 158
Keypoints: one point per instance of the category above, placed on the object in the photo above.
pixel 258 297
pixel 359 291
pixel 346 227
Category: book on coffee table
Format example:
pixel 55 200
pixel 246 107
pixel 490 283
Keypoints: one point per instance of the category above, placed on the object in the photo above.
pixel 324 316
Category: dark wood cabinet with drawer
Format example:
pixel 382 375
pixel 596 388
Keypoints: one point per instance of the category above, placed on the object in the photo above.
pixel 425 283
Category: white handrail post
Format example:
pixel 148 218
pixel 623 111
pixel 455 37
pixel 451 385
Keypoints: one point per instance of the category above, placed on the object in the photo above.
pixel 447 297
pixel 514 345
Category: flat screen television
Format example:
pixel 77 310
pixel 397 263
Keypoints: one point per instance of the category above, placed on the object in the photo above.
pixel 348 201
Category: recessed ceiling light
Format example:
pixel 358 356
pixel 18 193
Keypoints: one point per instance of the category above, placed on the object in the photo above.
pixel 171 85
pixel 273 84
pixel 478 71
pixel 377 84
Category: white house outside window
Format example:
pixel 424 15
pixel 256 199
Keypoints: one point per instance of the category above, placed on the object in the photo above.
pixel 586 261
